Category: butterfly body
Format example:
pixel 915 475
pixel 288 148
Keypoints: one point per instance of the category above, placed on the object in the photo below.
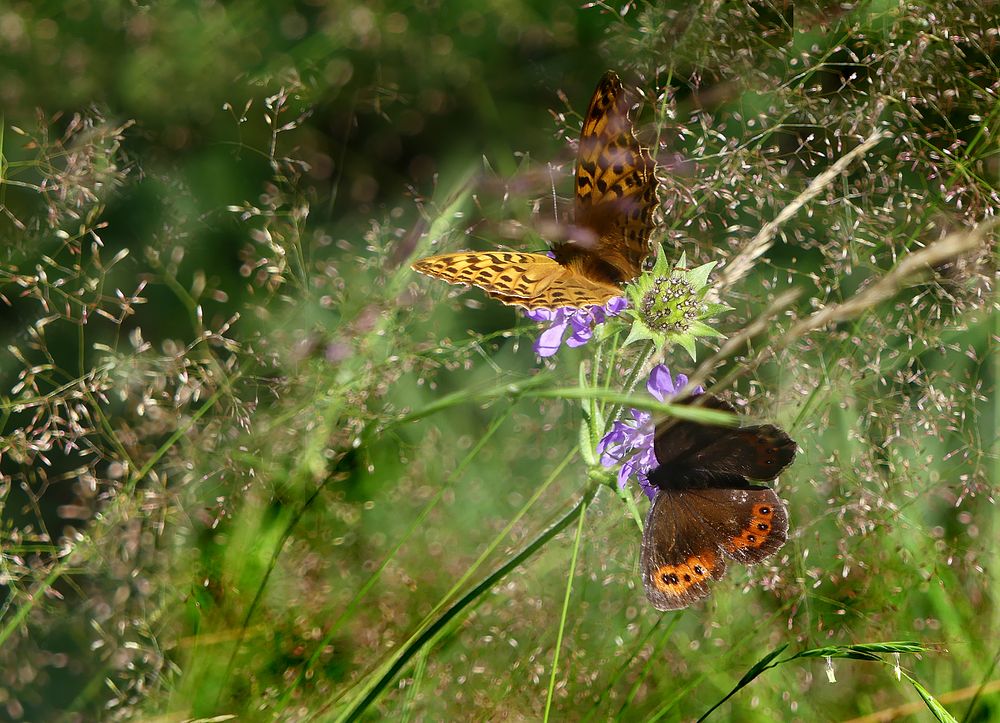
pixel 706 509
pixel 615 197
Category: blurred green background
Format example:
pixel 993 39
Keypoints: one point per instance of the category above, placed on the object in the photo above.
pixel 248 460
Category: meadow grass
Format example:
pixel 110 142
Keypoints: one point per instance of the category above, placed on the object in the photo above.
pixel 251 466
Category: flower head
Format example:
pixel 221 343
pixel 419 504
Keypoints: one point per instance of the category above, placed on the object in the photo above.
pixel 630 442
pixel 582 322
pixel 668 305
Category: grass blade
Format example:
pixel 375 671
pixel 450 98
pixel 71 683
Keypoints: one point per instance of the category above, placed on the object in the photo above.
pixel 412 648
pixel 565 609
pixel 936 709
pixel 759 667
pixel 860 651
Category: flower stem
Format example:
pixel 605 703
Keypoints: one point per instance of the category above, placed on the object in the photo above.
pixel 631 381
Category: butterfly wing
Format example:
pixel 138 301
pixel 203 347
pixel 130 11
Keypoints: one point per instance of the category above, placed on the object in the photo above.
pixel 615 181
pixel 758 453
pixel 689 533
pixel 678 555
pixel 752 522
pixel 706 509
pixel 533 281
pixel 615 199
pixel 675 439
pixel 697 454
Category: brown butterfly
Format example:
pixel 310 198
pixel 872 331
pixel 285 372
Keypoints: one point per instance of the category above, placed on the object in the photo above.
pixel 609 241
pixel 705 508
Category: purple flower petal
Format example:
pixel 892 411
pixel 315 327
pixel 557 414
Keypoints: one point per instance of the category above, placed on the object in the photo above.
pixel 647 487
pixel 541 314
pixel 616 306
pixel 624 472
pixel 549 340
pixel 660 384
pixel 580 336
pixel 583 322
pixel 630 441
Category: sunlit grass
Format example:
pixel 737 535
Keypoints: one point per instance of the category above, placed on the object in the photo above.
pixel 299 483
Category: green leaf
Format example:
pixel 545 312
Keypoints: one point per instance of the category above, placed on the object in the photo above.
pixel 597 425
pixel 629 501
pixel 936 709
pixel 640 401
pixel 586 440
pixel 608 329
pixel 759 667
pixel 686 341
pixel 565 614
pixel 660 268
pixel 699 277
pixel 714 309
pixel 861 651
pixel 639 332
pixel 846 651
pixel 900 646
pixel 593 421
pixel 700 328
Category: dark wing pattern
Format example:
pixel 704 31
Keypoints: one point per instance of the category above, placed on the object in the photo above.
pixel 706 509
pixel 534 281
pixel 689 533
pixel 615 181
pixel 696 454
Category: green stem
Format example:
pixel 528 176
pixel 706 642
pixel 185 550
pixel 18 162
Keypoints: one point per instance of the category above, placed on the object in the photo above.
pixel 565 609
pixel 482 588
pixel 632 380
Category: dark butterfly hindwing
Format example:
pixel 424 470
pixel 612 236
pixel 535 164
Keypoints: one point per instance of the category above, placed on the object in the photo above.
pixel 688 535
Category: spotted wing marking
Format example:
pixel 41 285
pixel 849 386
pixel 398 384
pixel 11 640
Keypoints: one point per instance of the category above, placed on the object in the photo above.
pixel 615 198
pixel 533 281
pixel 615 180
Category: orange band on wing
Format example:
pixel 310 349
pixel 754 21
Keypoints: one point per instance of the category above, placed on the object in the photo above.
pixel 757 533
pixel 675 579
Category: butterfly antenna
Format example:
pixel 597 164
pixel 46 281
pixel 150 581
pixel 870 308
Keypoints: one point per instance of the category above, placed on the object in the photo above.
pixel 552 182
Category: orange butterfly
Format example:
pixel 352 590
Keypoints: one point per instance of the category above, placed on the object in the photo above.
pixel 609 241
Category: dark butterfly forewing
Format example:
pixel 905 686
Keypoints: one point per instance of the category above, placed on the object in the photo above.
pixel 757 453
pixel 694 454
pixel 675 440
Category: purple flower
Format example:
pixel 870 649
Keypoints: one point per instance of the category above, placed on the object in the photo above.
pixel 581 321
pixel 630 442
